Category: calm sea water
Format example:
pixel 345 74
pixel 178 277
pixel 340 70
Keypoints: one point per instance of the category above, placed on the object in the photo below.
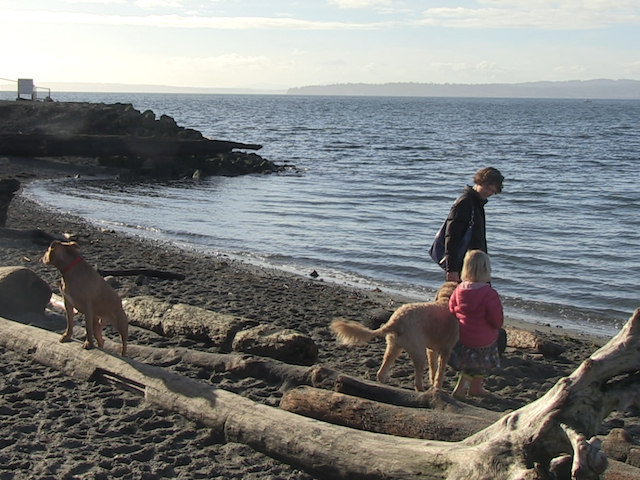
pixel 375 178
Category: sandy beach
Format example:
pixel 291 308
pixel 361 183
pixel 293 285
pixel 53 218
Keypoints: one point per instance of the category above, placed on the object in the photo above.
pixel 54 427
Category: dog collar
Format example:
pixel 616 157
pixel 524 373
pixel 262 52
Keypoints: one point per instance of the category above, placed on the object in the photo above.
pixel 72 264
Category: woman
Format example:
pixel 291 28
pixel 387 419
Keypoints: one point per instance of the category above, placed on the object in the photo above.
pixel 469 207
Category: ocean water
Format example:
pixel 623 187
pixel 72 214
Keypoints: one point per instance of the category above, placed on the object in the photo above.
pixel 373 178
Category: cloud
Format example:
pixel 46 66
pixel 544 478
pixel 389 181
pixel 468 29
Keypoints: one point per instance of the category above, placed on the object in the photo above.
pixel 101 2
pixel 145 4
pixel 486 66
pixel 229 60
pixel 573 69
pixel 359 3
pixel 178 21
pixel 569 4
pixel 454 67
pixel 228 70
pixel 487 14
pixel 540 14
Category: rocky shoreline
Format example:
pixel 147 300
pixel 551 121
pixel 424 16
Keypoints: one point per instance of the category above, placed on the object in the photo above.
pixel 55 427
pixel 119 136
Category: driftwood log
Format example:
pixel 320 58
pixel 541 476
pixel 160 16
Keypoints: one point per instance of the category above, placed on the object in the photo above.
pixel 181 319
pixel 317 377
pixel 551 438
pixel 34 235
pixel 355 412
pixel 142 271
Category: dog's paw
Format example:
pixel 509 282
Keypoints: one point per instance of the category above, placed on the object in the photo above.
pixel 88 345
pixel 65 338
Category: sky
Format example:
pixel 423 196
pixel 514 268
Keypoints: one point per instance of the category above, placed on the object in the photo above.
pixel 276 44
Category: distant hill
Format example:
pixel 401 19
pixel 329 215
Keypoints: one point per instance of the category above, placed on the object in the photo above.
pixel 587 89
pixel 583 89
pixel 77 87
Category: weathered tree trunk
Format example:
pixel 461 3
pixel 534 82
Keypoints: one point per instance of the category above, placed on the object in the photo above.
pixel 553 437
pixel 180 319
pixel 556 432
pixel 291 376
pixel 36 236
pixel 171 319
pixel 354 412
pixel 326 450
pixel 143 271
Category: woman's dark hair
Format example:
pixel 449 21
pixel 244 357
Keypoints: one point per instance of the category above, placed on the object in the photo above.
pixel 489 176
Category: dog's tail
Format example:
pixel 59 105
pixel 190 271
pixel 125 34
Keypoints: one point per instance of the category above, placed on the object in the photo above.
pixel 354 333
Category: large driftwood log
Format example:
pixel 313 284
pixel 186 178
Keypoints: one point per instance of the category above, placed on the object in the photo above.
pixel 180 319
pixel 354 412
pixel 292 376
pixel 34 235
pixel 338 452
pixel 161 317
pixel 142 271
pixel 553 437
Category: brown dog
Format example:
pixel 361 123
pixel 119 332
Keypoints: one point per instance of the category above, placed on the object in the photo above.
pixel 417 328
pixel 84 289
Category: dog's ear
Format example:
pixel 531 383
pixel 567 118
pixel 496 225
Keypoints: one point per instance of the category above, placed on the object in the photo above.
pixel 53 247
pixel 47 258
pixel 73 245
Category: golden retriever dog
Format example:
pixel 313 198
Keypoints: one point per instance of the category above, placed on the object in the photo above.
pixel 84 289
pixel 417 328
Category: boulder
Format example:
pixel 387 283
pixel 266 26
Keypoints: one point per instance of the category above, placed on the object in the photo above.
pixel 376 318
pixel 22 291
pixel 282 344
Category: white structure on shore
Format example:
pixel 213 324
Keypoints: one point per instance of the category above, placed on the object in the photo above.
pixel 28 88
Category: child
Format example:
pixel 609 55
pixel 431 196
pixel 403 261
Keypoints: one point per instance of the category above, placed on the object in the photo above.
pixel 479 310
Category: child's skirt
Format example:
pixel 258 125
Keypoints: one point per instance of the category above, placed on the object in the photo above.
pixel 479 360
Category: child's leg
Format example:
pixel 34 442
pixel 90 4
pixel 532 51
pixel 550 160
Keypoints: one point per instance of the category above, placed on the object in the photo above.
pixel 462 387
pixel 476 389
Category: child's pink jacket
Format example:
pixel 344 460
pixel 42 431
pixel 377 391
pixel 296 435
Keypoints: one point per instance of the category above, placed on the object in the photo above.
pixel 479 310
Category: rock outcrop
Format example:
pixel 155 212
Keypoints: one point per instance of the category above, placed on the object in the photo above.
pixel 118 135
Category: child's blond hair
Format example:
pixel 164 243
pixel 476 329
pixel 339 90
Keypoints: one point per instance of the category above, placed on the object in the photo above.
pixel 476 267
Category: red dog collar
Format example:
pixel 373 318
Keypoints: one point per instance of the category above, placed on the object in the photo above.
pixel 73 263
